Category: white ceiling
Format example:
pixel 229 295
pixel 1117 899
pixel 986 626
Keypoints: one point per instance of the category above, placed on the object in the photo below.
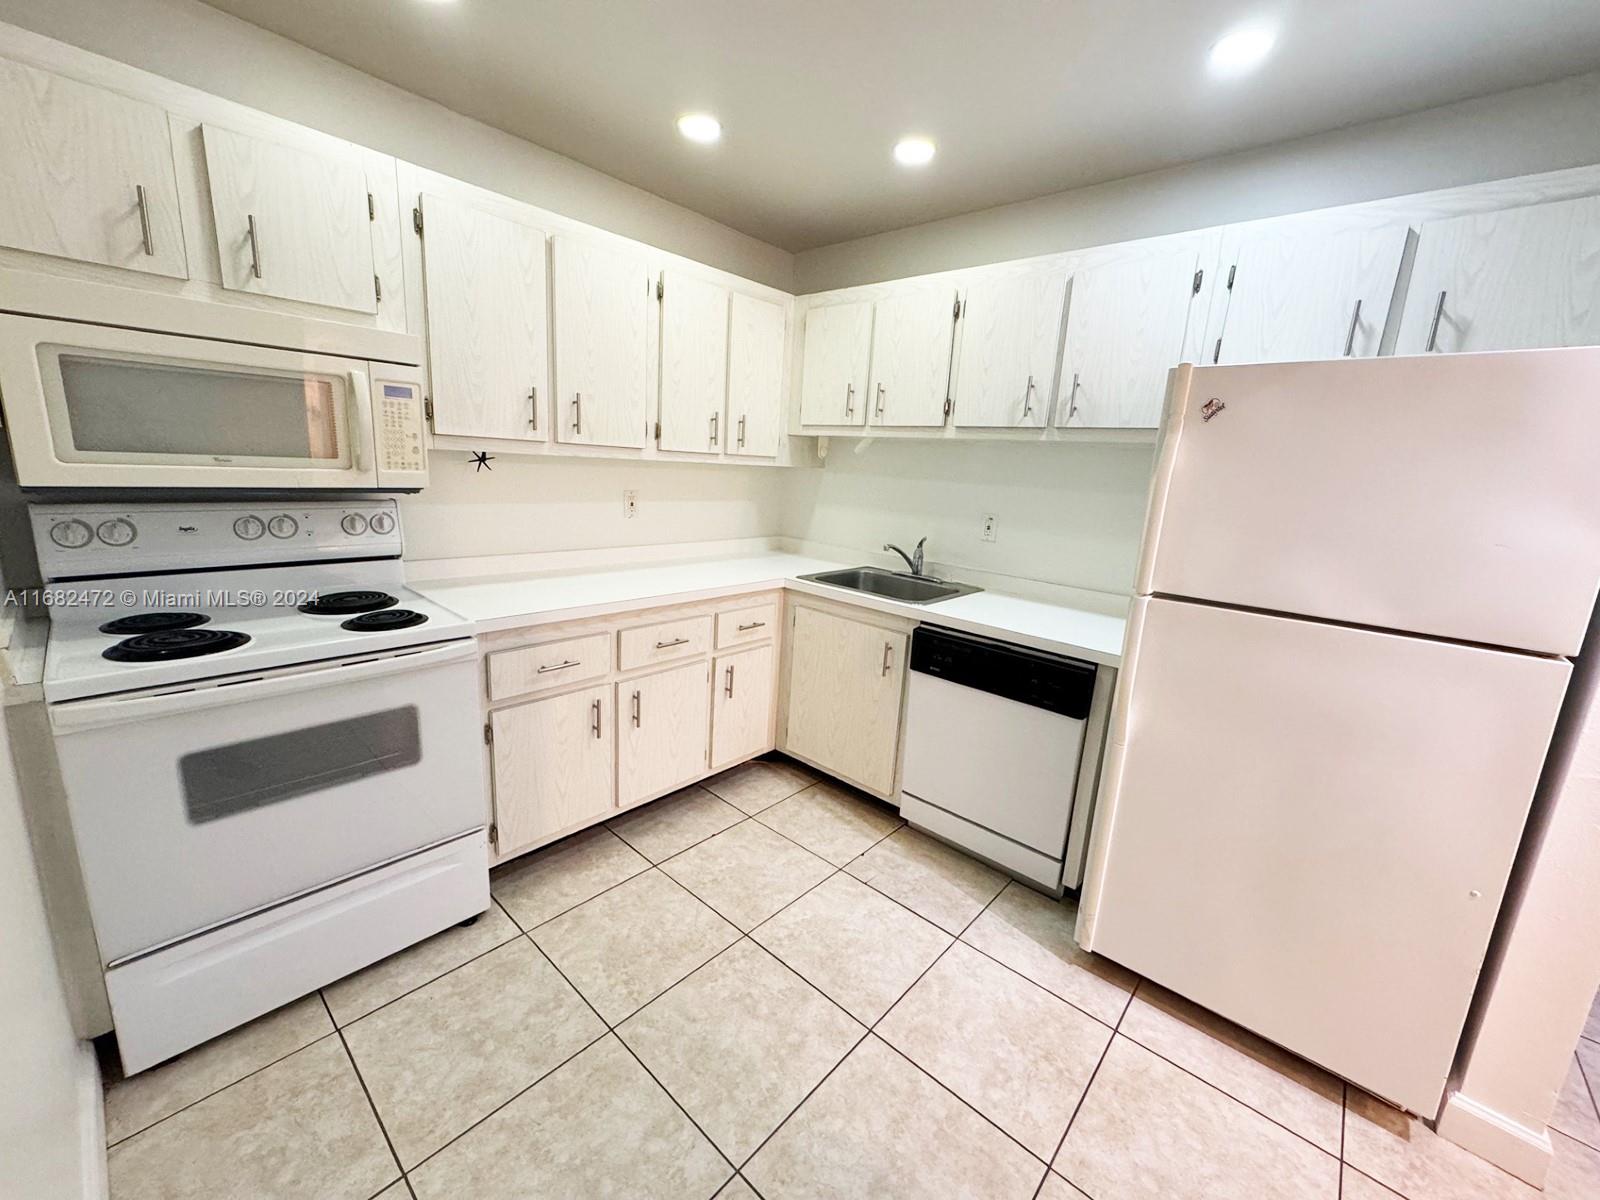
pixel 1023 97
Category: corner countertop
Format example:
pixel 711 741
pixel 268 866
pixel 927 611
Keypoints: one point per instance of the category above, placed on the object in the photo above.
pixel 513 601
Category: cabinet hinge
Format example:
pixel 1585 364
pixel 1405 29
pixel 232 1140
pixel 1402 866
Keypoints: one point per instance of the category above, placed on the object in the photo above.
pixel 377 288
pixel 416 219
pixel 658 431
pixel 1199 278
pixel 372 208
pixel 494 833
pixel 955 315
pixel 660 289
pixel 427 407
pixel 1216 352
pixel 949 406
pixel 1232 271
pixel 488 734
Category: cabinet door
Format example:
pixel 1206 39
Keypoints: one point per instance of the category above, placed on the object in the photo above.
pixel 1010 346
pixel 755 376
pixel 601 315
pixel 1301 295
pixel 291 223
pixel 1126 322
pixel 845 683
pixel 488 338
pixel 694 363
pixel 554 765
pixel 742 705
pixel 664 730
pixel 86 174
pixel 833 382
pixel 1517 279
pixel 912 334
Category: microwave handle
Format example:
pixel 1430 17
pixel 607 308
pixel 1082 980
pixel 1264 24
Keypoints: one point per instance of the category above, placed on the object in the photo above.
pixel 359 418
pixel 79 715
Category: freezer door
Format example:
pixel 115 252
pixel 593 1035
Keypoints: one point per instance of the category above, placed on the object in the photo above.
pixel 1308 829
pixel 1453 495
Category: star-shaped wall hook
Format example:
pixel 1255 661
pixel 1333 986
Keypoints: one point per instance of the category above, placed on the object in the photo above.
pixel 481 461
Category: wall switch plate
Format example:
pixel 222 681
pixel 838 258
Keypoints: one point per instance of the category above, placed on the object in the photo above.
pixel 630 504
pixel 988 527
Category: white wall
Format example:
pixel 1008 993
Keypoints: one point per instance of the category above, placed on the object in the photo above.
pixel 195 44
pixel 1521 132
pixel 1066 513
pixel 50 1140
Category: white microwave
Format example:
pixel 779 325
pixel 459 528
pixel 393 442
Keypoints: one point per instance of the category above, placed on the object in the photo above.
pixel 97 406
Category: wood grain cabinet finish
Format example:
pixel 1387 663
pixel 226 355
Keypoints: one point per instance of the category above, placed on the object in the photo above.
pixel 1515 279
pixel 694 364
pixel 87 174
pixel 548 666
pixel 912 336
pixel 601 313
pixel 485 285
pixel 290 222
pixel 1010 346
pixel 743 705
pixel 846 678
pixel 662 641
pixel 554 765
pixel 664 724
pixel 738 626
pixel 756 338
pixel 837 353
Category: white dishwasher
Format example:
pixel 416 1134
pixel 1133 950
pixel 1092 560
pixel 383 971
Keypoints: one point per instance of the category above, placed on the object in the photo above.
pixel 994 735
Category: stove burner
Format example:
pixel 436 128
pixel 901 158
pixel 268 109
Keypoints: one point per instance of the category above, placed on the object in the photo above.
pixel 389 618
pixel 338 604
pixel 153 622
pixel 174 643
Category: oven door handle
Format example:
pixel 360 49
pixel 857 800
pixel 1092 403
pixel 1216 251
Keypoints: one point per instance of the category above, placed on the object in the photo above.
pixel 77 715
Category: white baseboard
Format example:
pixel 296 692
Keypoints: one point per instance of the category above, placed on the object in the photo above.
pixel 1494 1136
pixel 92 1125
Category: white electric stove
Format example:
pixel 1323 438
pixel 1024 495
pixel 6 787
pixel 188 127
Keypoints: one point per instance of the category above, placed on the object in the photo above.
pixel 270 749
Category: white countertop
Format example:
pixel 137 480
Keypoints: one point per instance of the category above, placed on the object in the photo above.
pixel 517 600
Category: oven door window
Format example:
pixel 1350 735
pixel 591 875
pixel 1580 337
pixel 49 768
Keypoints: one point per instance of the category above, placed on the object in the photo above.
pixel 137 409
pixel 223 781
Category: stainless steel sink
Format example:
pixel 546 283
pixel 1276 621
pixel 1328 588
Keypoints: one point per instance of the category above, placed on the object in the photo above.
pixel 896 585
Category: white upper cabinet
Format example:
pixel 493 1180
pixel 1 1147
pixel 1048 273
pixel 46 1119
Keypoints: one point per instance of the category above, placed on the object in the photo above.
pixel 291 222
pixel 1515 279
pixel 694 363
pixel 755 376
pixel 1126 322
pixel 1010 344
pixel 601 315
pixel 912 334
pixel 488 332
pixel 86 174
pixel 833 376
pixel 1303 293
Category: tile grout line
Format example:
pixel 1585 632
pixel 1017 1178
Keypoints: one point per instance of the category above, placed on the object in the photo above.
pixel 1087 1088
pixel 1593 1089
pixel 431 979
pixel 367 1092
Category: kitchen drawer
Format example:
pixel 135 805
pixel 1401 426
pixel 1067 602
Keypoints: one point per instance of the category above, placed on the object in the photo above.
pixel 739 625
pixel 554 664
pixel 663 642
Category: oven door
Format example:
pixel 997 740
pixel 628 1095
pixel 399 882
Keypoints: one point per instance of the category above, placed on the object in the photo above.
pixel 93 406
pixel 192 808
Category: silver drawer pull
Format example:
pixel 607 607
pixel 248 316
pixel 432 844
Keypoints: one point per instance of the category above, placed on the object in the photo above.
pixel 144 218
pixel 728 689
pixel 577 412
pixel 1350 337
pixel 888 657
pixel 596 725
pixel 752 625
pixel 255 246
pixel 636 709
pixel 1433 330
pixel 560 666
pixel 672 643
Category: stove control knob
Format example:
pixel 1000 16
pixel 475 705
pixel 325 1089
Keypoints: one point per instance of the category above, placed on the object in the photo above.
pixel 382 523
pixel 249 528
pixel 117 532
pixel 71 534
pixel 283 526
pixel 354 524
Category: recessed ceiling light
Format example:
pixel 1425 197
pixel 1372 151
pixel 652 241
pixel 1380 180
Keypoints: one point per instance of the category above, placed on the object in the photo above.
pixel 1241 51
pixel 700 127
pixel 913 152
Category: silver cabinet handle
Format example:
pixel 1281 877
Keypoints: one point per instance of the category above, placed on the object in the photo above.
pixel 255 246
pixel 1350 338
pixel 849 400
pixel 636 708
pixel 672 643
pixel 752 625
pixel 1027 397
pixel 577 412
pixel 888 657
pixel 728 687
pixel 144 218
pixel 1433 330
pixel 560 666
pixel 596 725
pixel 878 407
pixel 533 407
pixel 1072 398
pixel 714 417
pixel 741 432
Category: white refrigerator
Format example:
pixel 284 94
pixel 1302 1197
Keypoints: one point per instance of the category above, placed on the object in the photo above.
pixel 1360 587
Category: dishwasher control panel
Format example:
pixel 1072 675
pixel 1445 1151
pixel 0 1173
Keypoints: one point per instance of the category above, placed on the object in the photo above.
pixel 1033 677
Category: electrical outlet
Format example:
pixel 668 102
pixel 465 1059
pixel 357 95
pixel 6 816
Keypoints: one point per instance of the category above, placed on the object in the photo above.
pixel 630 504
pixel 988 527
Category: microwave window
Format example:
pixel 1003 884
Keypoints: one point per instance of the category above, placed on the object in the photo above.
pixel 129 407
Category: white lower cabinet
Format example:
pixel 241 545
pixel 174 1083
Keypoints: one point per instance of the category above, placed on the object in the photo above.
pixel 664 725
pixel 743 703
pixel 554 763
pixel 846 681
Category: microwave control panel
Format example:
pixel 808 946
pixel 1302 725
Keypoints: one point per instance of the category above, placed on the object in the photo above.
pixel 398 426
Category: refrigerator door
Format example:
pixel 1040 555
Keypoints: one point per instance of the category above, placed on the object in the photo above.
pixel 1308 829
pixel 1453 495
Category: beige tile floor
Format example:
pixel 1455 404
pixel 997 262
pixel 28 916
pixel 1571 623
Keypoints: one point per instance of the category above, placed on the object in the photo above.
pixel 769 987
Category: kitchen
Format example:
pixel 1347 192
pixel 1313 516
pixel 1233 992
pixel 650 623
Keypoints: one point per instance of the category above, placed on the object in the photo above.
pixel 627 673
